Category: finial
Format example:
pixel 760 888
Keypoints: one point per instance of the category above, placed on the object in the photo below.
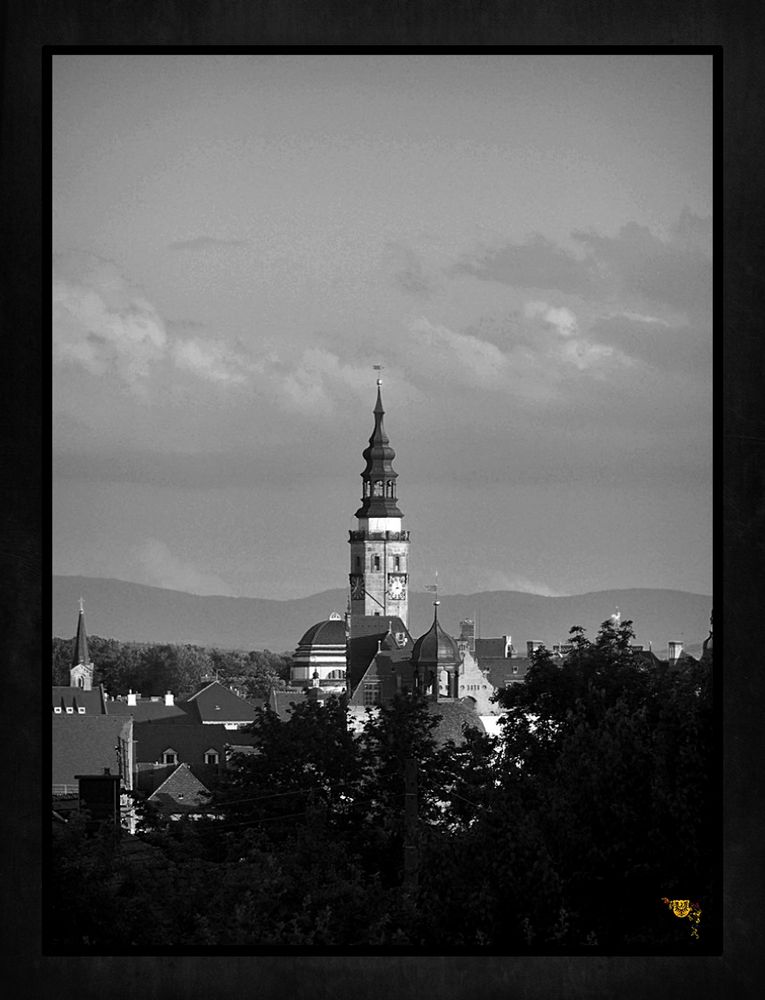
pixel 82 606
pixel 378 368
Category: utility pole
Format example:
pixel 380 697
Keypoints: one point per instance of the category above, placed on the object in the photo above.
pixel 411 859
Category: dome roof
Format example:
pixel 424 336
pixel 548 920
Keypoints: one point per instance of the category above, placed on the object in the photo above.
pixel 436 647
pixel 330 632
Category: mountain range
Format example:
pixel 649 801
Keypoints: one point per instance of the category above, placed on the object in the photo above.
pixel 132 612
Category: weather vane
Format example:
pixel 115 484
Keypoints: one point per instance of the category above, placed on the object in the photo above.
pixel 378 368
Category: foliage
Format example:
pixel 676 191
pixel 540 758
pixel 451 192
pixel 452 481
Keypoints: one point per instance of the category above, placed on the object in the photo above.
pixel 154 668
pixel 596 801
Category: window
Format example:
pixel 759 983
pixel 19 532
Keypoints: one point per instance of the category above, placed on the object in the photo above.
pixel 336 675
pixel 390 488
pixel 397 562
pixel 515 668
pixel 371 693
pixel 377 489
pixel 376 563
pixel 358 562
pixel 69 710
pixel 81 711
pixel 212 757
pixel 169 757
pixel 57 710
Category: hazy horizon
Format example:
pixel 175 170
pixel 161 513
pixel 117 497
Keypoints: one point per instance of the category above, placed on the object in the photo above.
pixel 523 242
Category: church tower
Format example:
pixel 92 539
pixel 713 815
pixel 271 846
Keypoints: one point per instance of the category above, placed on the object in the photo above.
pixel 379 577
pixel 81 672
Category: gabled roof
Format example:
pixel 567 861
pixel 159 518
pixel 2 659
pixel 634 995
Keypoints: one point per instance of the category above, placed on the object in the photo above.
pixel 216 703
pixel 368 633
pixel 180 792
pixel 494 646
pixel 85 744
pixel 454 716
pixel 76 698
pixel 190 741
pixel 392 672
pixel 502 670
pixel 281 702
pixel 146 709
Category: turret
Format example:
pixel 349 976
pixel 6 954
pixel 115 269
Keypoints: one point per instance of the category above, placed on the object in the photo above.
pixel 433 652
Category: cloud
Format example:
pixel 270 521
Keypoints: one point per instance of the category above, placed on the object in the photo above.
pixel 212 360
pixel 206 243
pixel 408 272
pixel 163 569
pixel 672 270
pixel 537 263
pixel 571 349
pixel 319 381
pixel 437 353
pixel 101 322
pixel 104 324
pixel 675 271
pixel 562 319
pixel 477 579
pixel 660 345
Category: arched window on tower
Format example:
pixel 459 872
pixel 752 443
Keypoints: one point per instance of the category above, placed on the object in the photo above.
pixel 377 489
pixel 366 488
pixel 389 491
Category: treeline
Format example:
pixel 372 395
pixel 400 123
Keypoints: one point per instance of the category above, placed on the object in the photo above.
pixel 154 668
pixel 567 832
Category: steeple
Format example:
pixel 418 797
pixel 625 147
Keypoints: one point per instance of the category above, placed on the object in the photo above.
pixel 379 477
pixel 81 671
pixel 379 571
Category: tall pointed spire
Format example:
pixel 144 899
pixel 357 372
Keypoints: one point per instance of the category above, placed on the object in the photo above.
pixel 80 652
pixel 81 670
pixel 379 477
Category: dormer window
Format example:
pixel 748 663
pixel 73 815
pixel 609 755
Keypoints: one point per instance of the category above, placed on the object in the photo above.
pixel 169 756
pixel 69 710
pixel 212 757
pixel 57 709
pixel 81 711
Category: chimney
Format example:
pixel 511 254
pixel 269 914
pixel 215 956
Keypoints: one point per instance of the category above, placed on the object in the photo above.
pixel 169 699
pixel 132 696
pixel 508 646
pixel 674 650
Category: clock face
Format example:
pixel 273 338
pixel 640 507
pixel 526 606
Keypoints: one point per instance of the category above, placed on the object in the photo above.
pixel 396 588
pixel 357 587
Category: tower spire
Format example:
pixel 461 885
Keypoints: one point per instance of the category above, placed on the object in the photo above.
pixel 379 546
pixel 81 670
pixel 80 652
pixel 379 477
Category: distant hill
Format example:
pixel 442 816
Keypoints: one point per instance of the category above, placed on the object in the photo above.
pixel 133 612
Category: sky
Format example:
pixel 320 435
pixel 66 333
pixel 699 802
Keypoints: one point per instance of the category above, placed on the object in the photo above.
pixel 523 242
